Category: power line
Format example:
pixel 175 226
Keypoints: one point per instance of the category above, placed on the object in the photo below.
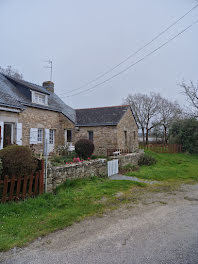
pixel 135 53
pixel 132 65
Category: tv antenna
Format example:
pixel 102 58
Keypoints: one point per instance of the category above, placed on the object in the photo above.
pixel 49 67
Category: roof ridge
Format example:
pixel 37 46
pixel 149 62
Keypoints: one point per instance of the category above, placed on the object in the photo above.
pixel 91 108
pixel 22 81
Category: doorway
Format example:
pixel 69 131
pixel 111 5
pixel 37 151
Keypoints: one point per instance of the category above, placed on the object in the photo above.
pixel 8 135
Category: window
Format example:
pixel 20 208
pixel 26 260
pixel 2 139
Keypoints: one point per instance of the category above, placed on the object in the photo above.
pixel 40 135
pixel 69 135
pixel 125 137
pixel 39 98
pixel 51 136
pixel 90 135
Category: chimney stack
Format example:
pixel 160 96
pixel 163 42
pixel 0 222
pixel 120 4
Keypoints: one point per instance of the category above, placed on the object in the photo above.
pixel 49 86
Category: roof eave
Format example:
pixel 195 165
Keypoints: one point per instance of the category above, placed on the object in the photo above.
pixel 95 125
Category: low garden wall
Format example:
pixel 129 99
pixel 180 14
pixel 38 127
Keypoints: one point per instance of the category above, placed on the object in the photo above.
pixel 85 169
pixel 131 158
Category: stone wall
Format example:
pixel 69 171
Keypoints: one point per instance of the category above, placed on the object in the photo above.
pixel 45 119
pixel 58 175
pixel 98 168
pixel 104 137
pixel 131 158
pixel 127 124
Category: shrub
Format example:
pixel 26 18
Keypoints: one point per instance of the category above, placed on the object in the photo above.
pixel 147 160
pixel 128 168
pixel 18 160
pixel 84 148
pixel 185 132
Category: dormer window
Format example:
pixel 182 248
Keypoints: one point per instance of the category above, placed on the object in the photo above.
pixel 39 98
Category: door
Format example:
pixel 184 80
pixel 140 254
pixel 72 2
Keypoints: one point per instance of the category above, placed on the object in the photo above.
pixel 8 134
pixel 112 167
pixel 51 140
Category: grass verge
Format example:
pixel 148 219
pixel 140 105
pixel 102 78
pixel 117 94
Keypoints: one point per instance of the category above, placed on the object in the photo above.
pixel 22 222
pixel 170 167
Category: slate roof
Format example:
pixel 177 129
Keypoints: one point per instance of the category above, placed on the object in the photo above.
pixel 16 93
pixel 101 116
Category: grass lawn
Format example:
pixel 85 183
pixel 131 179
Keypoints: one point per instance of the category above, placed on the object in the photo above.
pixel 24 221
pixel 177 167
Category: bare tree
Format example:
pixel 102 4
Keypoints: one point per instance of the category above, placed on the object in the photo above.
pixel 168 112
pixel 145 109
pixel 191 92
pixel 11 72
pixel 157 133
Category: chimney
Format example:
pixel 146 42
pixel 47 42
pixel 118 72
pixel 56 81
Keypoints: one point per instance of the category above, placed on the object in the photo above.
pixel 49 86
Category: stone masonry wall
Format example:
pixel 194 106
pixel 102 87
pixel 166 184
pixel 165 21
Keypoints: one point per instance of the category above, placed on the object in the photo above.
pixel 128 124
pixel 58 175
pixel 98 168
pixel 45 119
pixel 104 137
pixel 131 158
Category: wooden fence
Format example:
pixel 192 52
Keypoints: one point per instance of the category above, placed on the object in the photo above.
pixel 16 188
pixel 110 152
pixel 163 148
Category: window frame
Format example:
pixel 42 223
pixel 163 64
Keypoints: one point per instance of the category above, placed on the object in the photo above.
pixel 92 137
pixel 40 135
pixel 39 98
pixel 125 138
pixel 51 136
pixel 68 140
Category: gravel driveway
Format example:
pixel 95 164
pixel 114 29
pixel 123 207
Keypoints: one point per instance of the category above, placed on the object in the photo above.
pixel 161 229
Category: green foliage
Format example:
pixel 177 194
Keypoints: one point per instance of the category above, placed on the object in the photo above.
pixel 17 160
pixel 1 167
pixel 147 160
pixel 22 222
pixel 128 168
pixel 62 160
pixel 84 148
pixel 170 167
pixel 185 132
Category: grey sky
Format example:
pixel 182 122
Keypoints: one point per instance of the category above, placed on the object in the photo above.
pixel 86 38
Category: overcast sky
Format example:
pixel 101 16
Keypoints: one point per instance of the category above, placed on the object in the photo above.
pixel 86 38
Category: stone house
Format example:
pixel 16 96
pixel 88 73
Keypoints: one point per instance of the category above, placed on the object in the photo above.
pixel 108 127
pixel 31 115
pixel 34 115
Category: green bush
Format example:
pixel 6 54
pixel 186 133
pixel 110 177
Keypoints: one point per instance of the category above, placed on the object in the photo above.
pixel 147 160
pixel 18 160
pixel 84 148
pixel 185 132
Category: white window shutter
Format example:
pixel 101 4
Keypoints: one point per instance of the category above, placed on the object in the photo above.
pixel 1 134
pixel 33 135
pixel 19 134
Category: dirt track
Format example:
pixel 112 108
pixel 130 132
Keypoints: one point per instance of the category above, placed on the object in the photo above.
pixel 162 228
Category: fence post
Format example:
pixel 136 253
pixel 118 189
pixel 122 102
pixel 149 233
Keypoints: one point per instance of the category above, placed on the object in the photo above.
pixel 12 187
pixel 5 187
pixel 41 178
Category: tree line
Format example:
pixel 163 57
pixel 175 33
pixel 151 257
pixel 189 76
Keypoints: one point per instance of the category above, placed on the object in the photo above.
pixel 167 120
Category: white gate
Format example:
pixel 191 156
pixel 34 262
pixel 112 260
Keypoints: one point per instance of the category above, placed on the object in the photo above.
pixel 112 167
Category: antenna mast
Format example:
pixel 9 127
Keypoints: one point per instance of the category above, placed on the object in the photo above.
pixel 49 67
